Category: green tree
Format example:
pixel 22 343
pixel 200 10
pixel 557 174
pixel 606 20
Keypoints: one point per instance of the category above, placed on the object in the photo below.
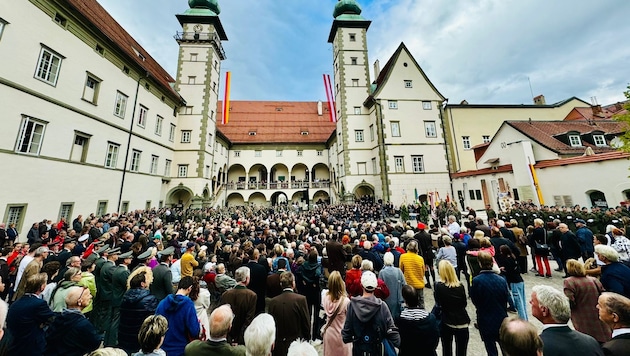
pixel 625 138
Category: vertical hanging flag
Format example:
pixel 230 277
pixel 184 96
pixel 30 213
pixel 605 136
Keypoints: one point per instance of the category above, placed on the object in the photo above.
pixel 330 98
pixel 226 100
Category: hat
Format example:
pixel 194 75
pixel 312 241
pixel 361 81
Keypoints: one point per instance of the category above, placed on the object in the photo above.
pixel 422 226
pixel 169 251
pixel 580 221
pixel 368 280
pixel 146 254
pixel 84 237
pixel 102 249
pixel 91 258
pixel 127 254
pixel 114 251
pixel 190 244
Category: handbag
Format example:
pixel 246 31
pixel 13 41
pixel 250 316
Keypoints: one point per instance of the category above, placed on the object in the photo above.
pixel 542 249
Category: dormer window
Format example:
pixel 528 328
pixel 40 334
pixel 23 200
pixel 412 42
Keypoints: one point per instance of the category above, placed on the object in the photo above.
pixel 599 140
pixel 575 141
pixel 252 133
pixel 304 133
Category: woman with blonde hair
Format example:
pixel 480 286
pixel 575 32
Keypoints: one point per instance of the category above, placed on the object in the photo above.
pixel 354 274
pixel 450 296
pixel 335 304
pixel 583 292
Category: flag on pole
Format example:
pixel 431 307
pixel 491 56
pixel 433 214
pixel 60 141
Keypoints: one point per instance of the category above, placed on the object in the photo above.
pixel 226 100
pixel 330 98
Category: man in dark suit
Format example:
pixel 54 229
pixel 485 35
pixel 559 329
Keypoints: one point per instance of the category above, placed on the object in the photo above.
pixel 243 303
pixel 273 280
pixel 258 278
pixel 290 312
pixel 162 276
pixel 336 256
pixel 614 310
pixel 552 308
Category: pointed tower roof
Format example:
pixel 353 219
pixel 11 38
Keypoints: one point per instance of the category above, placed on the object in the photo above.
pixel 347 13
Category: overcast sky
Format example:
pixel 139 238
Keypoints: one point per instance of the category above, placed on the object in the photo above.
pixel 483 51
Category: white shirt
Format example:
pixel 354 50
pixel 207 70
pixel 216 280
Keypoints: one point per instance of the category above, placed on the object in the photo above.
pixel 620 331
pixel 25 261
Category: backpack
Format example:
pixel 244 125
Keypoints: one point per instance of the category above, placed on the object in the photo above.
pixel 369 341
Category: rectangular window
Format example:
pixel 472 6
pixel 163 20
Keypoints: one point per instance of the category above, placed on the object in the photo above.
pixel 171 133
pixel 142 116
pixel 158 125
pixel 48 66
pixel 408 84
pixel 90 91
pixel 193 57
pixel 135 161
pixel 426 105
pixel 112 155
pixel 186 136
pixel 300 153
pixel 154 164
pixel 124 207
pixel 278 153
pixel 575 140
pixel 101 208
pixel 209 139
pixel 182 170
pixel 237 153
pixel 399 164
pixel 15 215
pixel 320 153
pixel 418 164
pixel 257 153
pixel 371 132
pixel 471 193
pixel 485 138
pixel 478 194
pixel 65 211
pixel 358 135
pixel 192 80
pixel 599 140
pixel 392 104
pixel 2 26
pixel 355 82
pixel 353 37
pixel 361 168
pixel 121 104
pixel 167 168
pixel 353 61
pixel 188 110
pixel 62 21
pixel 395 129
pixel 357 110
pixel 207 172
pixel 31 136
pixel 466 142
pixel 429 129
pixel 374 166
pixel 80 147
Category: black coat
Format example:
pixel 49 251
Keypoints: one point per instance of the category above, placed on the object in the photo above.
pixel 258 284
pixel 418 336
pixel 137 304
pixel 71 334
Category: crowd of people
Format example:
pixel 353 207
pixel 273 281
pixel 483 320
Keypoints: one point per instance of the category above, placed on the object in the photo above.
pixel 280 281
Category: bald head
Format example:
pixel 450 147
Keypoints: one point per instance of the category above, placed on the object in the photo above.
pixel 519 337
pixel 221 321
pixel 73 298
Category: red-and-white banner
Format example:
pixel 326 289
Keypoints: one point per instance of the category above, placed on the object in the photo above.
pixel 330 98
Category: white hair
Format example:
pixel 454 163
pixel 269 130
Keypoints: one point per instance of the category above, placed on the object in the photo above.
pixel 388 259
pixel 607 251
pixel 367 265
pixel 301 347
pixel 554 300
pixel 260 335
pixel 241 274
pixel 500 223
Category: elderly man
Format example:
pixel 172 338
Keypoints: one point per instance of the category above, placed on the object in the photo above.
pixel 290 312
pixel 32 269
pixel 585 238
pixel 519 337
pixel 614 310
pixel 220 325
pixel 260 335
pixel 222 280
pixel 552 308
pixel 243 303
pixel 71 334
pixel 615 275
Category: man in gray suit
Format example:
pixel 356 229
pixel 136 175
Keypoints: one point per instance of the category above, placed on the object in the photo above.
pixel 162 276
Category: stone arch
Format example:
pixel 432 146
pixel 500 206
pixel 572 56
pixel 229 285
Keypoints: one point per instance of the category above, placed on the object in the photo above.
pixel 321 196
pixel 258 199
pixel 597 198
pixel 235 199
pixel 362 189
pixel 179 195
pixel 320 172
pixel 279 198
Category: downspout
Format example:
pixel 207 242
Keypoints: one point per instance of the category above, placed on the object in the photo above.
pixel 381 149
pixel 133 118
pixel 446 149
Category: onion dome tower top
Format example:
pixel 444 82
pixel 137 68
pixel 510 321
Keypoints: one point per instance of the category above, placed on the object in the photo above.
pixel 349 7
pixel 204 5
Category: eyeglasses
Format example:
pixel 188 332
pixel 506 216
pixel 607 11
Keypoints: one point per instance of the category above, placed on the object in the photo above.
pixel 81 296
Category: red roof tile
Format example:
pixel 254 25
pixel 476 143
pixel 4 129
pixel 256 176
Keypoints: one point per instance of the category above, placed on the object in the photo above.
pixel 275 122
pixel 120 38
pixel 498 169
pixel 583 159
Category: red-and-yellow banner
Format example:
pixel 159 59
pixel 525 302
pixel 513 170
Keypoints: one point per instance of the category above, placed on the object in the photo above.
pixel 226 100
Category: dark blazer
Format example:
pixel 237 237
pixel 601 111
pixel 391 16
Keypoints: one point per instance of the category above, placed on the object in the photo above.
pixel 563 341
pixel 618 346
pixel 258 283
pixel 243 303
pixel 489 293
pixel 290 312
pixel 162 281
pixel 273 285
pixel 25 320
pixel 336 257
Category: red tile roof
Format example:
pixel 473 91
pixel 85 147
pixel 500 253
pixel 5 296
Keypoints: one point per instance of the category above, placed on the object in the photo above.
pixel 120 38
pixel 546 133
pixel 583 159
pixel 275 122
pixel 478 172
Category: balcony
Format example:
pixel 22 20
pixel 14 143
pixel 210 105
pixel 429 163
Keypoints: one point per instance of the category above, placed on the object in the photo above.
pixel 276 185
pixel 213 38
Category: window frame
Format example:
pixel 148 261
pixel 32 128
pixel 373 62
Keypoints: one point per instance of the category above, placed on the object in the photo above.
pixel 300 153
pixel 359 136
pixel 21 213
pixel 167 167
pixel 3 25
pixel 485 138
pixel 320 153
pixel 24 131
pixel 171 133
pixel 159 121
pixel 94 91
pixel 154 164
pixel 408 84
pixel 371 133
pixel 353 61
pixel 45 77
pixel 68 216
pixel 352 37
pixel 103 211
pixel 182 171
pixel 134 164
pixel 120 104
pixel 399 164
pixel 428 126
pixel 597 137
pixel 426 105
pixel 466 142
pixel 143 113
pixel 392 104
pixel 357 110
pixel 417 163
pixel 575 140
pixel 111 155
pixel 278 153
pixel 237 153
pixel 257 153
pixel 395 132
pixel 186 136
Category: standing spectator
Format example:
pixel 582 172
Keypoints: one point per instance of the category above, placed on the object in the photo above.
pixel 447 252
pixel 570 247
pixel 200 295
pixel 222 280
pixel 336 255
pixel 412 266
pixel 71 278
pixel 273 280
pixel 551 307
pixel 419 330
pixel 27 318
pixel 370 253
pixel 615 275
pixel 512 274
pixel 583 292
pixel 462 267
pixel 33 268
pixel 258 281
pixel 260 335
pixel 585 238
pixel 452 226
pixel 451 297
pixel 137 304
pixel 162 277
pixel 425 246
pixel 4 308
pixel 188 261
pixel 521 244
pixel 519 337
pixel 119 286
pixel 180 313
pixel 33 235
pixel 12 234
pixel 354 274
pixel 395 280
pixel 542 254
pixel 151 336
pixel 335 304
pixel 308 276
pixel 489 294
pixel 243 302
pixel 614 310
pixel 3 234
pixel 71 334
pixel 290 312
pixel 368 321
pixel 220 325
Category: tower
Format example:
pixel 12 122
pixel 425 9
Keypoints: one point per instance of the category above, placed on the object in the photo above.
pixel 198 76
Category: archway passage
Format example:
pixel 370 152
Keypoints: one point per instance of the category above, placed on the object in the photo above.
pixel 321 197
pixel 279 198
pixel 598 198
pixel 235 199
pixel 257 199
pixel 179 197
pixel 363 190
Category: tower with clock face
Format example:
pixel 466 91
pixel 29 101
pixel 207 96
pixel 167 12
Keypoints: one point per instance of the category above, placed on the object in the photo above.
pixel 198 82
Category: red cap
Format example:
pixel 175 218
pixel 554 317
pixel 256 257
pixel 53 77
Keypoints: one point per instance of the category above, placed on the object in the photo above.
pixel 421 226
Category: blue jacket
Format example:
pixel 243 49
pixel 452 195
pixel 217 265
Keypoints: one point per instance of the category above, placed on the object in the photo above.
pixel 616 278
pixel 585 238
pixel 24 323
pixel 183 324
pixel 489 293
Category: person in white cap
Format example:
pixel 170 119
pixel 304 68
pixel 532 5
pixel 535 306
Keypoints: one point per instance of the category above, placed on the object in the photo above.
pixel 368 321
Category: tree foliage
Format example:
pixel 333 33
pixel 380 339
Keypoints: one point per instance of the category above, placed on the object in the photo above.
pixel 625 138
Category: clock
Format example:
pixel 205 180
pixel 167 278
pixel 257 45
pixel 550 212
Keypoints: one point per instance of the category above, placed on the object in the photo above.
pixel 198 28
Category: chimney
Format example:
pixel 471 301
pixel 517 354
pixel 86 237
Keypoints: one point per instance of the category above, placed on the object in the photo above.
pixel 320 108
pixel 597 110
pixel 540 100
pixel 377 68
